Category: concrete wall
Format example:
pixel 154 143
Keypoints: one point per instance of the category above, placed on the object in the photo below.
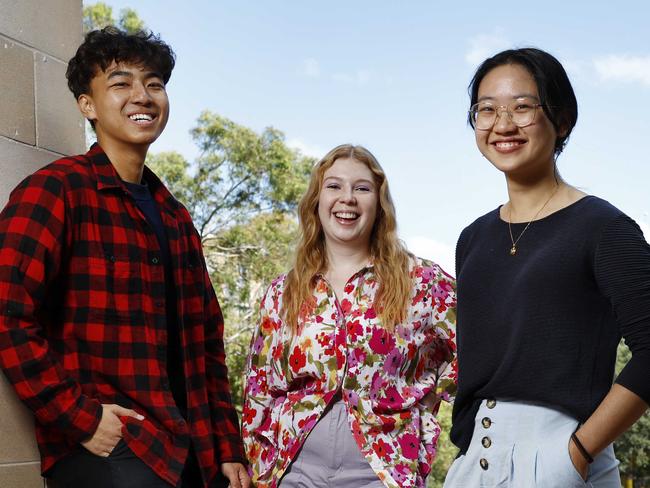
pixel 39 122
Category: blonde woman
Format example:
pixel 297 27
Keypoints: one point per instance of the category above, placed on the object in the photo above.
pixel 355 346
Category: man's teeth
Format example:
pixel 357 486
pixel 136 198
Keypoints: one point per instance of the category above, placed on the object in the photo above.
pixel 138 117
pixel 346 215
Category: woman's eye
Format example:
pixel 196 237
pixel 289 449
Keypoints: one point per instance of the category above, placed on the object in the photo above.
pixel 362 188
pixel 485 109
pixel 523 107
pixel 332 186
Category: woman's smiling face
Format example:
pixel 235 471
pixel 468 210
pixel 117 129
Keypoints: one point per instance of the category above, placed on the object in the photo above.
pixel 512 149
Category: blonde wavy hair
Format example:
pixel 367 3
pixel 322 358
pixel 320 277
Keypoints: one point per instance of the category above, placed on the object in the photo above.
pixel 390 257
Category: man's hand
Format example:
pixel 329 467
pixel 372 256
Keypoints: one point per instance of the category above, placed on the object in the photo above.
pixel 109 430
pixel 236 474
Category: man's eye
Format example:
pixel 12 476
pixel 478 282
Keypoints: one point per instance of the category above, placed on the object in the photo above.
pixel 156 85
pixel 120 84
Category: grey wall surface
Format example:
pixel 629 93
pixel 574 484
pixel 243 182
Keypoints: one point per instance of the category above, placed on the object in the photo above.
pixel 39 122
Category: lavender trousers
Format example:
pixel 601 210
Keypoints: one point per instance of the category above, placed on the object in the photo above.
pixel 330 457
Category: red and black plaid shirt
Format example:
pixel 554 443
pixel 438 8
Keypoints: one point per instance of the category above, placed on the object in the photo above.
pixel 83 318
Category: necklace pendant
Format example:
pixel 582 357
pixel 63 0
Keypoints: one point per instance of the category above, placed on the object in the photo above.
pixel 513 250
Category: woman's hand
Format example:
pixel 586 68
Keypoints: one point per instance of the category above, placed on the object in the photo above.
pixel 578 460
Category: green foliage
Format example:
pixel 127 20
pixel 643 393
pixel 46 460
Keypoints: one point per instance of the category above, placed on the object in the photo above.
pixel 242 192
pixel 633 447
pixel 99 15
pixel 130 22
pixel 446 449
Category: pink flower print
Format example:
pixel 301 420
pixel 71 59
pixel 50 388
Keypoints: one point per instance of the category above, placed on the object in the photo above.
pixel 427 274
pixel 375 386
pixel 370 314
pixel 357 356
pixel 410 445
pixel 258 344
pixel 352 397
pixel 255 384
pixel 348 287
pixel 392 399
pixel 381 342
pixel 440 290
pixel 393 362
pixel 400 473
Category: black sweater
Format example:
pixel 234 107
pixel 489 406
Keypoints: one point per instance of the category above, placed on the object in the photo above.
pixel 543 326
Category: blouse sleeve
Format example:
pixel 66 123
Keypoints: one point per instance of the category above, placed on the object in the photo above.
pixel 258 424
pixel 622 269
pixel 442 357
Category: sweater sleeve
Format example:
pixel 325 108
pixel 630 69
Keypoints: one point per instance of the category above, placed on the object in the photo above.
pixel 622 269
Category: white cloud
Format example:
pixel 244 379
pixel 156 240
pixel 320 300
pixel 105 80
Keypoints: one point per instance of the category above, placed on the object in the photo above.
pixel 438 252
pixel 360 77
pixel 310 68
pixel 484 45
pixel 306 149
pixel 624 68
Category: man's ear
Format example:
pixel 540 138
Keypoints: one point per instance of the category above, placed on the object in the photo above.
pixel 86 106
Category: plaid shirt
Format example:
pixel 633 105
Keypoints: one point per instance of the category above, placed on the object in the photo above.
pixel 82 318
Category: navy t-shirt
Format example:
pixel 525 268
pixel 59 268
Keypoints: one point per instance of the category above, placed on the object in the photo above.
pixel 148 207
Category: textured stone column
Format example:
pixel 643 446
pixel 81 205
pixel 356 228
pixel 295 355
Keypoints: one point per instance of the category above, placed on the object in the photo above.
pixel 39 122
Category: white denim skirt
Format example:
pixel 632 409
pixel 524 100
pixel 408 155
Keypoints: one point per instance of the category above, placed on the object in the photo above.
pixel 522 445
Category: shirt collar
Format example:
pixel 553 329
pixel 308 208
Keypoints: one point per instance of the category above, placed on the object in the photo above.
pixel 107 177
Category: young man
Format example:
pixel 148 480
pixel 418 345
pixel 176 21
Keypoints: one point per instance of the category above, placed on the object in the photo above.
pixel 110 331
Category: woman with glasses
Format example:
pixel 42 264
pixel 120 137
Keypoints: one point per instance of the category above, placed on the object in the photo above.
pixel 547 285
pixel 355 346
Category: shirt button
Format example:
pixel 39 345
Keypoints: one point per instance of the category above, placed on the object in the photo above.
pixel 491 403
pixel 111 259
pixel 484 464
pixel 154 260
pixel 486 442
pixel 159 304
pixel 486 422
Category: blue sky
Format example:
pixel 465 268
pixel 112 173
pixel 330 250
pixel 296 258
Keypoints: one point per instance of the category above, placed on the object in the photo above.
pixel 393 76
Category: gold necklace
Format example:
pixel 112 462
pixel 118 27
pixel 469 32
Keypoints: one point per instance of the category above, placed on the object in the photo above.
pixel 513 249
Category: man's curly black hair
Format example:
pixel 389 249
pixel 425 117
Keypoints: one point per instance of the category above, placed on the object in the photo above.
pixel 101 47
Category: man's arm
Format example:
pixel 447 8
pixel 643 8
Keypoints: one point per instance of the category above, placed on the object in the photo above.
pixel 225 422
pixel 32 233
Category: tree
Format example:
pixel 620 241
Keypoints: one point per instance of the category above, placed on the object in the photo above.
pixel 633 447
pixel 99 15
pixel 242 192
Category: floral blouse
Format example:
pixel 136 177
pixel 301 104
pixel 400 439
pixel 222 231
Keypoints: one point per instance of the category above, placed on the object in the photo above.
pixel 382 376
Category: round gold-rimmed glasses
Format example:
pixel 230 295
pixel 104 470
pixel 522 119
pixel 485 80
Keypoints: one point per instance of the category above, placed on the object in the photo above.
pixel 521 112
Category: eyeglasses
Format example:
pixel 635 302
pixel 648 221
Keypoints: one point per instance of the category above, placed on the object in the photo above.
pixel 521 112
